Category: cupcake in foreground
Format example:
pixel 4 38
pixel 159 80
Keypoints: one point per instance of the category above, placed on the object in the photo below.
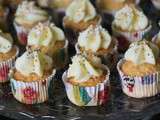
pixel 130 24
pixel 26 17
pixel 96 40
pixel 8 54
pixel 156 4
pixel 87 81
pixel 50 40
pixel 140 69
pixel 79 15
pixel 31 77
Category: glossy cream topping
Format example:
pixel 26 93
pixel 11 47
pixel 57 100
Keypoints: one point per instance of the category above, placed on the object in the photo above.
pixel 130 19
pixel 94 38
pixel 82 69
pixel 45 34
pixel 6 42
pixel 142 52
pixel 81 10
pixel 33 63
pixel 28 12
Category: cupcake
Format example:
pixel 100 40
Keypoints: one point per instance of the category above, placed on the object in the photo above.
pixel 96 40
pixel 31 77
pixel 156 4
pixel 26 17
pixel 79 15
pixel 130 24
pixel 8 54
pixel 87 81
pixel 50 40
pixel 140 69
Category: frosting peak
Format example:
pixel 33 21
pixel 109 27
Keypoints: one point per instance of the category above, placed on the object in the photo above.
pixel 33 62
pixel 45 34
pixel 131 19
pixel 94 38
pixel 6 42
pixel 142 52
pixel 82 69
pixel 81 10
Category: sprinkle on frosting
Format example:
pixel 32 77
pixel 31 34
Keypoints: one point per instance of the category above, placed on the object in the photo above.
pixel 6 42
pixel 94 38
pixel 141 52
pixel 33 62
pixel 130 19
pixel 82 69
pixel 45 34
pixel 81 10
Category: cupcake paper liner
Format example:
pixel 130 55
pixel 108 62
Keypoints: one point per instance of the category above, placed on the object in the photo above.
pixel 139 87
pixel 31 92
pixel 5 66
pixel 87 96
pixel 125 38
pixel 60 57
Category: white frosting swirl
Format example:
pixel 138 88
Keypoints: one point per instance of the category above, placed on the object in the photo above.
pixel 94 38
pixel 45 34
pixel 142 52
pixel 28 13
pixel 33 62
pixel 6 42
pixel 81 10
pixel 130 19
pixel 82 69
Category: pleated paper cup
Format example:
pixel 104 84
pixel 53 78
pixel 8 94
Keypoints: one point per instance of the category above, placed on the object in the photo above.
pixel 31 92
pixel 139 87
pixel 5 67
pixel 87 96
pixel 125 38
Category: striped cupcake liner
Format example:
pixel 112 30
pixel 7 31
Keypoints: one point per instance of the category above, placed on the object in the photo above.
pixel 156 4
pixel 87 96
pixel 60 57
pixel 31 92
pixel 5 67
pixel 110 59
pixel 139 87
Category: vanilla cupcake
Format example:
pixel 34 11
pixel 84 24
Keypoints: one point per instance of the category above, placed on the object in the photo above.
pixel 140 69
pixel 87 81
pixel 96 40
pixel 50 40
pixel 27 16
pixel 80 14
pixel 156 4
pixel 8 54
pixel 31 77
pixel 130 24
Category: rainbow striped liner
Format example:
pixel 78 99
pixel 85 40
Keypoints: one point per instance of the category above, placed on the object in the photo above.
pixel 5 67
pixel 31 92
pixel 87 96
pixel 139 87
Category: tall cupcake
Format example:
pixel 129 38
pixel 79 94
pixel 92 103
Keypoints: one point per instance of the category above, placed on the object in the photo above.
pixel 26 17
pixel 8 54
pixel 156 4
pixel 79 15
pixel 140 69
pixel 50 40
pixel 130 24
pixel 87 81
pixel 96 40
pixel 31 77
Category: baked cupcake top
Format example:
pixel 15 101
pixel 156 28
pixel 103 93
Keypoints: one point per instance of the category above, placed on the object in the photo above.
pixel 33 62
pixel 81 10
pixel 129 18
pixel 45 34
pixel 82 68
pixel 6 42
pixel 141 52
pixel 29 14
pixel 94 39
